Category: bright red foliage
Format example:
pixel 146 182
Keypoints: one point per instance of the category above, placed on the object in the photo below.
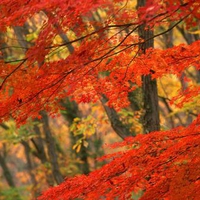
pixel 164 164
pixel 80 70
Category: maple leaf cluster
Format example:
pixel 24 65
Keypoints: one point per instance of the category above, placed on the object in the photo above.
pixel 45 81
pixel 163 164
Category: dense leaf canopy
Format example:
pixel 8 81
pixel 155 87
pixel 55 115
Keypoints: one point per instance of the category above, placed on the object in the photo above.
pixel 103 57
pixel 110 45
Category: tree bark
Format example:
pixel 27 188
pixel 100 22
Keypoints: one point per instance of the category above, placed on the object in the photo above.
pixel 40 152
pixel 4 166
pixel 51 148
pixel 6 171
pixel 151 121
pixel 116 123
pixel 30 168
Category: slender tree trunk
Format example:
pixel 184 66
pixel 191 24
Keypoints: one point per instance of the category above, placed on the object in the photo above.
pixel 151 120
pixel 20 33
pixel 4 51
pixel 8 176
pixel 6 171
pixel 30 168
pixel 83 155
pixel 40 152
pixel 51 148
pixel 121 129
pixel 3 163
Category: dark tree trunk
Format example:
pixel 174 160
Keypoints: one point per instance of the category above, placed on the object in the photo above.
pixel 121 129
pixel 51 148
pixel 40 152
pixel 151 121
pixel 8 176
pixel 30 168
pixel 6 171
pixel 3 163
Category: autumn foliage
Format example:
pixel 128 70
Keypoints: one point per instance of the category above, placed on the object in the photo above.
pixel 80 70
pixel 163 164
pixel 104 58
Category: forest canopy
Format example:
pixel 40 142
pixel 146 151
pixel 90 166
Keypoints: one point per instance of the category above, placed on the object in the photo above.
pixel 127 67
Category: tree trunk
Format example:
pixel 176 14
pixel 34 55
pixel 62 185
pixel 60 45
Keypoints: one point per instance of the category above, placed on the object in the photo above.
pixel 30 168
pixel 6 171
pixel 40 152
pixel 151 121
pixel 121 129
pixel 3 164
pixel 51 148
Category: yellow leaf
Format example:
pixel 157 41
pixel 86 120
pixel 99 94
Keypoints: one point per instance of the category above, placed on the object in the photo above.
pixel 78 148
pixel 76 119
pixel 75 146
pixel 85 144
pixel 194 32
